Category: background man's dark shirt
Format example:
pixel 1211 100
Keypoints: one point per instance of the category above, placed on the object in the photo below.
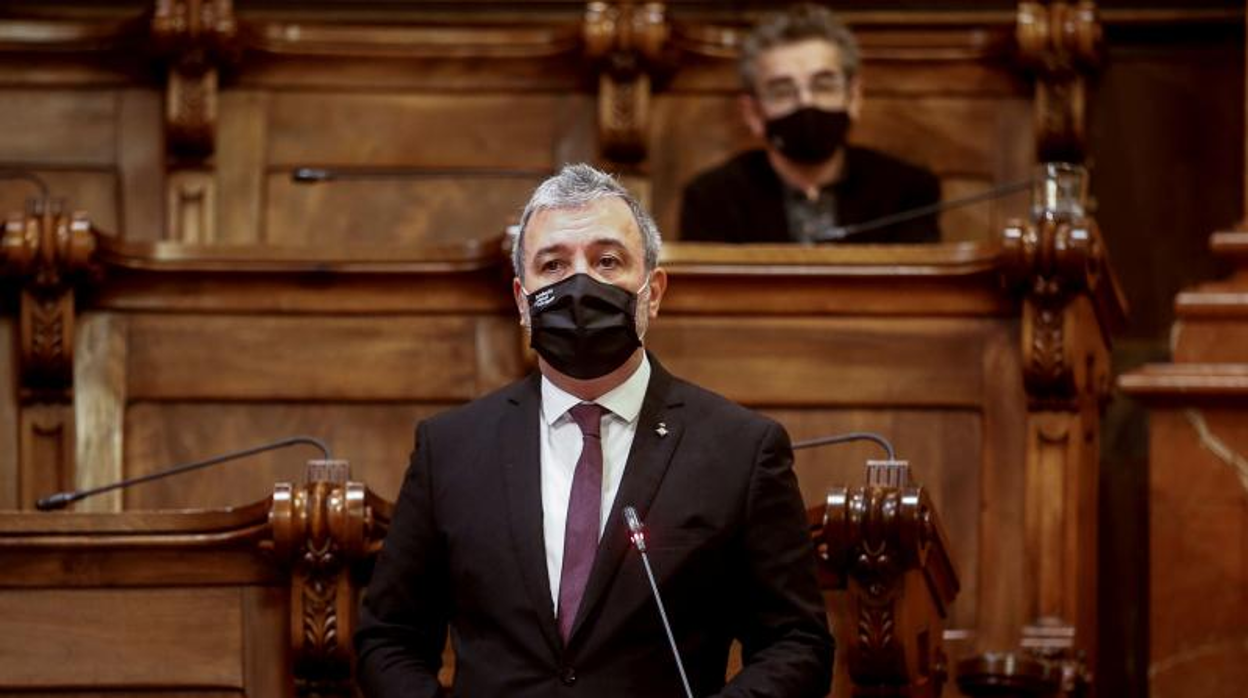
pixel 744 200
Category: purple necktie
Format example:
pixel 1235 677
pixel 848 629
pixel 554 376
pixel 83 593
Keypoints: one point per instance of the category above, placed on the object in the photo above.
pixel 580 537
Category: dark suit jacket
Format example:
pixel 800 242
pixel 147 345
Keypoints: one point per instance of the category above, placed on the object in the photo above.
pixel 728 544
pixel 743 200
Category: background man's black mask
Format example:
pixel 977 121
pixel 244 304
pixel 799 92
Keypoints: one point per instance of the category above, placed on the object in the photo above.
pixel 808 135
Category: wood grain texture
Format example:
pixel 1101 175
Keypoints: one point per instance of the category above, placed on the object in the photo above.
pixel 376 439
pixel 8 415
pixel 99 406
pixel 1199 531
pixel 61 127
pixel 435 208
pixel 126 637
pixel 315 358
pixel 497 132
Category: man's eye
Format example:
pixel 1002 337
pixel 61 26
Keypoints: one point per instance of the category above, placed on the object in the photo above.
pixel 552 265
pixel 608 262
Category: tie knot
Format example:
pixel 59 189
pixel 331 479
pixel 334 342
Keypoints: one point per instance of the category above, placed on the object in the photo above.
pixel 588 416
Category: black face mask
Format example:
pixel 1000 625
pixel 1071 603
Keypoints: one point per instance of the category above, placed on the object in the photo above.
pixel 808 135
pixel 583 327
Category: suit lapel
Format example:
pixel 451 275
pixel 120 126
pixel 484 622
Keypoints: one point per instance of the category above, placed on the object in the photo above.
pixel 658 433
pixel 523 481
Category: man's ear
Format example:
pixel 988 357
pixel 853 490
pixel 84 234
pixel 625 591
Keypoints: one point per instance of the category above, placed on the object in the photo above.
pixel 854 107
pixel 752 115
pixel 522 302
pixel 658 286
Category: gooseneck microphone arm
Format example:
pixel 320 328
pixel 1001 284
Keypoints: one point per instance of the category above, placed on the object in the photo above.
pixel 840 232
pixel 637 534
pixel 847 437
pixel 62 499
pixel 29 176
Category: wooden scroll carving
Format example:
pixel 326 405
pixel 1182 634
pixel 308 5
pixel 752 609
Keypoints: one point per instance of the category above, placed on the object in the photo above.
pixel 46 250
pixel 884 545
pixel 196 38
pixel 1051 261
pixel 1060 42
pixel 44 253
pixel 626 41
pixel 325 531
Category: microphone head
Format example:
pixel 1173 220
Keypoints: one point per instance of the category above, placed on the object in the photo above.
pixel 636 532
pixel 310 174
pixel 60 500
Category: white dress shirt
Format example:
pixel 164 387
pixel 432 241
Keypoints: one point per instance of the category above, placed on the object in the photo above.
pixel 561 448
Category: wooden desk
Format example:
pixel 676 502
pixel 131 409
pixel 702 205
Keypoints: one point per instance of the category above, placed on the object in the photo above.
pixel 254 601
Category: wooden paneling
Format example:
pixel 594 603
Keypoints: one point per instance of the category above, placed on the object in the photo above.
pixel 502 132
pixel 189 638
pixel 319 358
pixel 432 208
pixel 8 414
pixel 375 438
pixel 100 398
pixel 878 362
pixel 1199 553
pixel 59 127
pixel 141 162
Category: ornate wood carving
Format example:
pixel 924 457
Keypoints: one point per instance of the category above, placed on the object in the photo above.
pixel 46 251
pixel 323 530
pixel 1051 261
pixel 196 38
pixel 627 42
pixel 870 539
pixel 1061 43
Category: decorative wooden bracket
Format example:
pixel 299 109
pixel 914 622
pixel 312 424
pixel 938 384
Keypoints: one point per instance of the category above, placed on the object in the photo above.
pixel 883 543
pixel 46 251
pixel 325 531
pixel 1061 43
pixel 196 38
pixel 1051 260
pixel 626 40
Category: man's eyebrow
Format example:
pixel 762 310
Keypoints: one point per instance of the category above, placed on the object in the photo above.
pixel 554 248
pixel 778 81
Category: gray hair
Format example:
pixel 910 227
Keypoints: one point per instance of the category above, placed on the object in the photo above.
pixel 577 186
pixel 798 23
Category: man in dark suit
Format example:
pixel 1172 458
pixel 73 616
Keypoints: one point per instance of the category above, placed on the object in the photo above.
pixel 802 92
pixel 509 530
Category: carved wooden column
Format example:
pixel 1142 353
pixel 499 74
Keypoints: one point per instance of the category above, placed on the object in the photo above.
pixel 883 544
pixel 1058 264
pixel 196 39
pixel 626 40
pixel 1060 43
pixel 46 251
pixel 324 531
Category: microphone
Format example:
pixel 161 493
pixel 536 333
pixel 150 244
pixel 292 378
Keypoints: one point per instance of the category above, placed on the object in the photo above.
pixel 846 438
pixel 60 500
pixel 637 534
pixel 840 232
pixel 29 176
pixel 316 175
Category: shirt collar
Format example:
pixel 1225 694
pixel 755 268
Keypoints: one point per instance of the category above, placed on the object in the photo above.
pixel 624 400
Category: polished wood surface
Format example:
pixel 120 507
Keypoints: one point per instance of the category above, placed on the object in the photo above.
pixel 1198 488
pixel 257 600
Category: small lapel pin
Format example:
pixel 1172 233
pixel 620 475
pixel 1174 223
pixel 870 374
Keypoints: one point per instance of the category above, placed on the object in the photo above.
pixel 661 430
